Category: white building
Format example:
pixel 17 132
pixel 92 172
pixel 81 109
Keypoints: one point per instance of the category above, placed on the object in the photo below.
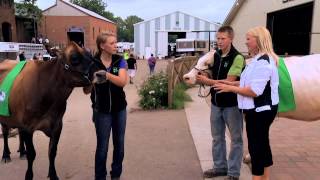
pixel 152 36
pixel 293 24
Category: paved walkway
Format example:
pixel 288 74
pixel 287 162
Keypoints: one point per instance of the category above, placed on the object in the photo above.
pixel 198 114
pixel 295 144
pixel 168 145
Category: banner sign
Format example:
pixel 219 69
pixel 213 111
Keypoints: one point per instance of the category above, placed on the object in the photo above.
pixel 9 47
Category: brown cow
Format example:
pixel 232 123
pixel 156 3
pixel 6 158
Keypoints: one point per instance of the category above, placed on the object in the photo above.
pixel 39 96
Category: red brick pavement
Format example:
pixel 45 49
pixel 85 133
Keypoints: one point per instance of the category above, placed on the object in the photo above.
pixel 296 150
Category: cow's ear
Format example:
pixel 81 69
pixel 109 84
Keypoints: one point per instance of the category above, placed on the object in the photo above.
pixel 75 58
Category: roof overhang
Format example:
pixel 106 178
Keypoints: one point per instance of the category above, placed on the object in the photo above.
pixel 233 12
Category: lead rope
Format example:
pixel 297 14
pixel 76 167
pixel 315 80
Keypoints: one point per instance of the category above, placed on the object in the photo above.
pixel 199 91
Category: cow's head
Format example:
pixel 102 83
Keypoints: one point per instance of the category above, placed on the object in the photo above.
pixel 202 65
pixel 77 62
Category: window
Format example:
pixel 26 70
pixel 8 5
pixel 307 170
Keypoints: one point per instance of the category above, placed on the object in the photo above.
pixel 201 44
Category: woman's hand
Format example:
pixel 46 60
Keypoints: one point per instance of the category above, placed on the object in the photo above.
pixel 221 87
pixel 244 91
pixel 232 83
pixel 100 77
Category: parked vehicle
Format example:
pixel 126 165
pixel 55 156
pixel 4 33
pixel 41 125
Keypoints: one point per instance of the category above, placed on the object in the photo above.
pixel 11 50
pixel 191 46
pixel 47 57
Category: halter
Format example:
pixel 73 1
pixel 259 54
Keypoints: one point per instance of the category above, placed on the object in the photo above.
pixel 202 86
pixel 84 74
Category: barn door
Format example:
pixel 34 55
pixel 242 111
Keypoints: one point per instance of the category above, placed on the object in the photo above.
pixel 291 29
pixel 6 32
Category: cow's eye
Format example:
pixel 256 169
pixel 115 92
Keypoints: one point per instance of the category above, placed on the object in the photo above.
pixel 75 58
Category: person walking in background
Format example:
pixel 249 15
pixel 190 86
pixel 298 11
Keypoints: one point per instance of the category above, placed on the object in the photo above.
pixel 132 67
pixel 35 57
pixel 33 40
pixel 258 98
pixel 109 105
pixel 228 64
pixel 22 57
pixel 40 40
pixel 152 63
pixel 125 55
pixel 46 41
pixel 40 56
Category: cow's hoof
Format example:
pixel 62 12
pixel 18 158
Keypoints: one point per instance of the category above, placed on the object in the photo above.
pixel 53 176
pixel 6 160
pixel 29 175
pixel 23 156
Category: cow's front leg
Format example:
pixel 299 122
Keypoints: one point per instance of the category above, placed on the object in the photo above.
pixel 6 151
pixel 54 140
pixel 31 153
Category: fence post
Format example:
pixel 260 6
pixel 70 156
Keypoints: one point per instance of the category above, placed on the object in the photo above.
pixel 176 69
pixel 170 82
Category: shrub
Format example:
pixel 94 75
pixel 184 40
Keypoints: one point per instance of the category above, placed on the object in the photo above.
pixel 154 92
pixel 180 96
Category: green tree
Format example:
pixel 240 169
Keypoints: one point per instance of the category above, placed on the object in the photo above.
pixel 28 9
pixel 29 1
pixel 125 27
pixel 96 6
pixel 129 22
pixel 121 29
pixel 109 15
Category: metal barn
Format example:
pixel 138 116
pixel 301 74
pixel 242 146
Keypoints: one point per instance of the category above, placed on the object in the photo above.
pixel 154 36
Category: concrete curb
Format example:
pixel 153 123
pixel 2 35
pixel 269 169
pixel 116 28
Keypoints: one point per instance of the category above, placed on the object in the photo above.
pixel 198 114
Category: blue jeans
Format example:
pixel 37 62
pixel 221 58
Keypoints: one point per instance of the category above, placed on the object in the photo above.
pixel 104 123
pixel 232 118
pixel 151 67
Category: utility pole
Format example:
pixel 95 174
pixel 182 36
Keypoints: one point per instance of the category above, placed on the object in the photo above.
pixel 34 27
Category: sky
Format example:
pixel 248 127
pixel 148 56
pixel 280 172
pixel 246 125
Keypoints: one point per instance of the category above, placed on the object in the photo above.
pixel 211 10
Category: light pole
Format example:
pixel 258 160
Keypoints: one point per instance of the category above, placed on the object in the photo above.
pixel 34 26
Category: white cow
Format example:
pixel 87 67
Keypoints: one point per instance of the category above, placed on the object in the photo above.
pixel 305 77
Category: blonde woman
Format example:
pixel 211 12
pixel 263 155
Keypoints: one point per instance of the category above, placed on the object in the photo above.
pixel 258 98
pixel 109 105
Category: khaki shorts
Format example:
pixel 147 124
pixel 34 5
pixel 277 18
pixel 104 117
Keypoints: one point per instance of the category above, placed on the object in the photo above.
pixel 132 72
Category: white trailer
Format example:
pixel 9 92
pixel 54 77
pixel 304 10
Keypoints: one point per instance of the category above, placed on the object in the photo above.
pixel 11 50
pixel 191 46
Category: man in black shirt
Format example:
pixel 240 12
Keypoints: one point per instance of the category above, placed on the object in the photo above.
pixel 227 65
pixel 132 67
pixel 21 56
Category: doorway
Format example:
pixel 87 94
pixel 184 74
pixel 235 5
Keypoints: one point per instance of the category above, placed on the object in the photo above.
pixel 172 37
pixel 291 29
pixel 77 35
pixel 6 32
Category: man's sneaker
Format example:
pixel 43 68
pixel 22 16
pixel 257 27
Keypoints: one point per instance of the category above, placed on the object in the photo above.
pixel 232 178
pixel 210 173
